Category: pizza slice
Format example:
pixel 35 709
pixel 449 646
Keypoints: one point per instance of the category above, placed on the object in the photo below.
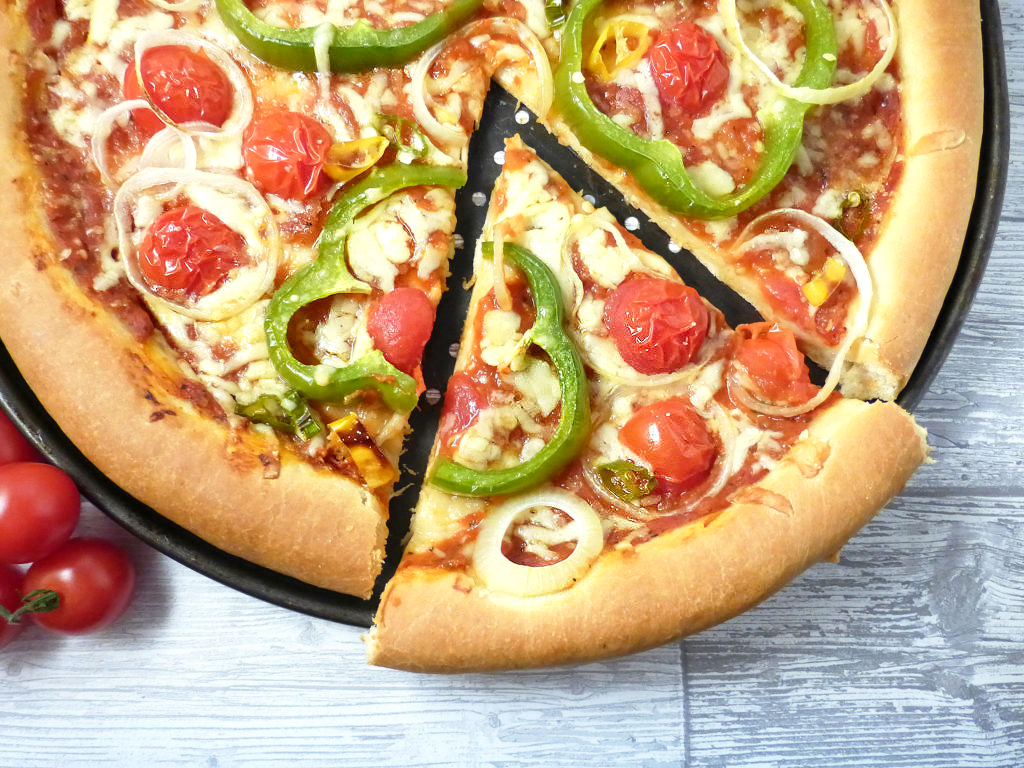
pixel 785 143
pixel 615 466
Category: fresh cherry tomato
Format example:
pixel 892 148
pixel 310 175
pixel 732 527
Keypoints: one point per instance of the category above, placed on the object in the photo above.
pixel 463 401
pixel 285 154
pixel 400 323
pixel 673 438
pixel 13 445
pixel 10 598
pixel 94 579
pixel 689 68
pixel 775 366
pixel 186 84
pixel 39 509
pixel 189 251
pixel 657 325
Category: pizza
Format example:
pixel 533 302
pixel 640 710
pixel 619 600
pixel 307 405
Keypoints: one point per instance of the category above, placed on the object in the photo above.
pixel 230 226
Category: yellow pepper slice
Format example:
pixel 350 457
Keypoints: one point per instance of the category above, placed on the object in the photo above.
pixel 375 469
pixel 347 159
pixel 621 43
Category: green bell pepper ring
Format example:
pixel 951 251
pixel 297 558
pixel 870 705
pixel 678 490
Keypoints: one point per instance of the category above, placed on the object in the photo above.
pixel 329 275
pixel 658 165
pixel 355 48
pixel 573 426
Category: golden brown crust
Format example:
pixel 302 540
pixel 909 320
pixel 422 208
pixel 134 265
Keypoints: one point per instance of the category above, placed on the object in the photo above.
pixel 681 582
pixel 913 261
pixel 116 402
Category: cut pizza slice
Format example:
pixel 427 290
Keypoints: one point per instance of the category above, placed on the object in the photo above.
pixel 783 143
pixel 616 467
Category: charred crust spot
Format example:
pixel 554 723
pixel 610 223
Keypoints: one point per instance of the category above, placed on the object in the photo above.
pixel 151 397
pixel 159 415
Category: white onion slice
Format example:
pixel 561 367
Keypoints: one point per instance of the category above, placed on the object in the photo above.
pixel 157 150
pixel 323 36
pixel 546 84
pixel 441 132
pixel 500 574
pixel 253 219
pixel 241 110
pixel 855 330
pixel 102 129
pixel 806 95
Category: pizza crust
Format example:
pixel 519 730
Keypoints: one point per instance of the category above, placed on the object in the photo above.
pixel 918 249
pixel 682 582
pixel 118 403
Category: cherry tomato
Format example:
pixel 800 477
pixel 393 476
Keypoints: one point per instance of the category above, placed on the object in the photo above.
pixel 190 251
pixel 39 509
pixel 13 445
pixel 674 439
pixel 463 401
pixel 186 84
pixel 657 325
pixel 94 579
pixel 400 324
pixel 689 68
pixel 775 366
pixel 10 598
pixel 285 154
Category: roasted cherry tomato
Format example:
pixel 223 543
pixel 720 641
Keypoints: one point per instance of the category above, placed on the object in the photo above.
pixel 657 325
pixel 400 323
pixel 13 445
pixel 674 439
pixel 189 251
pixel 285 154
pixel 10 598
pixel 775 367
pixel 39 509
pixel 463 401
pixel 94 579
pixel 689 68
pixel 184 83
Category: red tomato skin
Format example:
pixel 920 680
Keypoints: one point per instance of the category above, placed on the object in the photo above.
pixel 13 445
pixel 10 598
pixel 657 325
pixel 400 324
pixel 774 364
pixel 95 580
pixel 689 68
pixel 674 439
pixel 189 251
pixel 39 509
pixel 463 401
pixel 185 84
pixel 285 154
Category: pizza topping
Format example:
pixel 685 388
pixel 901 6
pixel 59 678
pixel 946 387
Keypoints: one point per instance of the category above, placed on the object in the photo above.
pixel 573 427
pixel 658 325
pixel 447 130
pixel 327 276
pixel 773 368
pixel 497 54
pixel 689 68
pixel 189 83
pixel 400 323
pixel 626 479
pixel 156 152
pixel 209 259
pixel 657 165
pixel 290 414
pixel 854 215
pixel 500 574
pixel 621 43
pixel 674 439
pixel 285 152
pixel 405 134
pixel 463 402
pixel 348 159
pixel 355 48
pixel 805 92
pixel 856 327
pixel 375 469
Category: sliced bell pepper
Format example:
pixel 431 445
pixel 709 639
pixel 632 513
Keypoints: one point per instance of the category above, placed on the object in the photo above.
pixel 658 165
pixel 573 428
pixel 329 275
pixel 354 48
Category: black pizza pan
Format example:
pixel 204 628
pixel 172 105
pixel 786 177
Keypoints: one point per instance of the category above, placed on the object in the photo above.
pixel 503 117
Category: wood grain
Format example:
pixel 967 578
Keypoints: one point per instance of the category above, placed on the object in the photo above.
pixel 908 652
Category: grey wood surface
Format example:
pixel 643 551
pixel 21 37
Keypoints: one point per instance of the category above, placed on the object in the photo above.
pixel 908 652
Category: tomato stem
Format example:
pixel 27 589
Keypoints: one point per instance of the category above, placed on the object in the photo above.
pixel 36 601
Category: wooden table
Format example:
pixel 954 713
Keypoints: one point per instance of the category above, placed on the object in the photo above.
pixel 909 652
